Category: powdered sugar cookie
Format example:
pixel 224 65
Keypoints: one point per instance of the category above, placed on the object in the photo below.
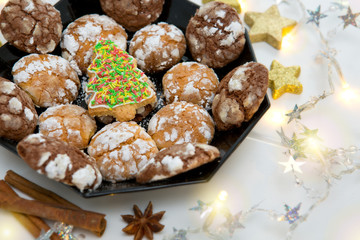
pixel 69 123
pixel 18 117
pixel 176 159
pixel 80 37
pixel 121 149
pixel 239 95
pixel 181 122
pixel 33 26
pixel 59 161
pixel 215 34
pixel 133 14
pixel 191 82
pixel 157 47
pixel 48 79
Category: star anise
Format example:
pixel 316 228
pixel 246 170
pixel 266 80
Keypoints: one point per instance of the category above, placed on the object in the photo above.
pixel 143 224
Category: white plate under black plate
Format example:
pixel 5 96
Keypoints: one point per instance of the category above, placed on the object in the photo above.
pixel 177 12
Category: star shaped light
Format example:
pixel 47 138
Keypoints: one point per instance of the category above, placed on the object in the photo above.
pixel 295 113
pixel 349 18
pixel 61 229
pixel 315 16
pixel 284 79
pixel 179 234
pixel 311 133
pixel 201 207
pixel 292 165
pixel 292 214
pixel 268 26
pixel 296 145
pixel 232 223
pixel 285 140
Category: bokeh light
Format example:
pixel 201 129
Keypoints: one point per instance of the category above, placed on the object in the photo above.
pixel 287 43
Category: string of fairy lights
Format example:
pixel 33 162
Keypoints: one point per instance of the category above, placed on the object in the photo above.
pixel 302 145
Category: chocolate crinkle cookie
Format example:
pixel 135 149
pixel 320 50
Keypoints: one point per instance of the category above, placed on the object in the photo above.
pixel 48 79
pixel 239 95
pixel 59 161
pixel 18 117
pixel 157 47
pixel 32 26
pixel 215 35
pixel 177 159
pixel 133 14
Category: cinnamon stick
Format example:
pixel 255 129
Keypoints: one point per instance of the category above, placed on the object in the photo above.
pixel 79 218
pixel 35 191
pixel 41 194
pixel 33 224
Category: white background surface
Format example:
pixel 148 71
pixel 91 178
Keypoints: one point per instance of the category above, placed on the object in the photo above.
pixel 252 173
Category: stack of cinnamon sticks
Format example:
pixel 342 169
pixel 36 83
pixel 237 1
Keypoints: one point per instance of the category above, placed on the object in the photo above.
pixel 47 205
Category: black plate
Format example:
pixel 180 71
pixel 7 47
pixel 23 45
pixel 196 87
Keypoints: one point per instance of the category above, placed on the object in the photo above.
pixel 177 12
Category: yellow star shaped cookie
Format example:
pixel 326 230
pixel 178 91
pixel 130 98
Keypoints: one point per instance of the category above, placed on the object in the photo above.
pixel 268 26
pixel 284 79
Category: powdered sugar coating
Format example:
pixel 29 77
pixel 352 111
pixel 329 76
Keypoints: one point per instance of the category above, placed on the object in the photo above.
pixel 133 14
pixel 239 77
pixel 239 95
pixel 57 168
pixel 121 149
pixel 48 79
pixel 15 105
pixel 157 47
pixel 32 26
pixel 59 161
pixel 215 34
pixel 192 82
pixel 70 123
pixel 181 122
pixel 44 157
pixel 18 116
pixel 80 37
pixel 173 164
pixel 177 159
pixel 85 177
pixel 7 87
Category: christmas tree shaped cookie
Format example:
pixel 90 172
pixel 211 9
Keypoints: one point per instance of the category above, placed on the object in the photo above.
pixel 116 86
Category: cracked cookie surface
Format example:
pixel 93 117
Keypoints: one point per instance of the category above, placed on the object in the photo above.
pixel 177 159
pixel 69 123
pixel 181 122
pixel 80 37
pixel 191 82
pixel 18 117
pixel 59 161
pixel 121 149
pixel 133 14
pixel 239 95
pixel 48 79
pixel 158 47
pixel 32 26
pixel 215 34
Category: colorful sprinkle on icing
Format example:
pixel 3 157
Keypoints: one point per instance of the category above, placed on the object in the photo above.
pixel 117 79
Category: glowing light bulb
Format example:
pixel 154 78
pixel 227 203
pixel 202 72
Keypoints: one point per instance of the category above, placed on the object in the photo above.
pixel 222 196
pixel 348 94
pixel 287 42
pixel 312 143
pixel 243 5
pixel 278 117
pixel 5 233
